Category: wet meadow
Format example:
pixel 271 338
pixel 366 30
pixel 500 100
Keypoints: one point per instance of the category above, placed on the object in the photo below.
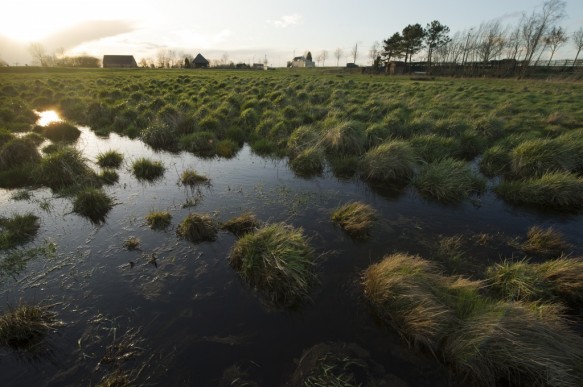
pixel 288 227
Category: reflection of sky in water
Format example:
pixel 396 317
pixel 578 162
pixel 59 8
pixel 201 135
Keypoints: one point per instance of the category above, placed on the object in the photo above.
pixel 192 303
pixel 47 117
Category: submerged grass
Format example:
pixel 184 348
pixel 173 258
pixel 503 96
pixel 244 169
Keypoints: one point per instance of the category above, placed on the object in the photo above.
pixel 198 228
pixel 25 326
pixel 191 178
pixel 546 242
pixel 17 230
pixel 159 220
pixel 242 224
pixel 93 204
pixel 355 218
pixel 145 169
pixel 278 261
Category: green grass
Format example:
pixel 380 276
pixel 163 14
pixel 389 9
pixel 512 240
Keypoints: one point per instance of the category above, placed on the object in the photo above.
pixel 191 178
pixel 392 161
pixel 18 152
pixel 25 326
pixel 17 230
pixel 198 228
pixel 159 220
pixel 308 163
pixel 110 159
pixel 448 181
pixel 66 169
pixel 148 170
pixel 242 224
pixel 345 138
pixel 560 191
pixel 93 204
pixel 61 132
pixel 355 218
pixel 534 158
pixel 278 261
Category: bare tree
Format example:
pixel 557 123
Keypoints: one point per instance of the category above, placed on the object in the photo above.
pixel 323 55
pixel 143 63
pixel 514 43
pixel 538 25
pixel 354 53
pixel 491 40
pixel 578 41
pixel 162 58
pixel 374 51
pixel 556 38
pixel 338 54
pixel 38 53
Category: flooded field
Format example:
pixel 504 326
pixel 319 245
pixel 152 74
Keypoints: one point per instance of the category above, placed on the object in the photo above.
pixel 151 307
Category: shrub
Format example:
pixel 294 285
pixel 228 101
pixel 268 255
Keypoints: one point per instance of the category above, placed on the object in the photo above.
pixel 109 159
pixel 18 152
pixel 308 163
pixel 554 190
pixel 145 169
pixel 17 230
pixel 93 204
pixel 159 220
pixel 389 162
pixel 198 228
pixel 191 178
pixel 25 326
pixel 355 218
pixel 278 261
pixel 61 131
pixel 448 180
pixel 242 224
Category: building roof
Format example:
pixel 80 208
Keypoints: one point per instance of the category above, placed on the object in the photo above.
pixel 119 60
pixel 199 59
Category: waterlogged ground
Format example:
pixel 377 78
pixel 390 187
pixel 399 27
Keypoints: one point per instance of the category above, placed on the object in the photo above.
pixel 175 313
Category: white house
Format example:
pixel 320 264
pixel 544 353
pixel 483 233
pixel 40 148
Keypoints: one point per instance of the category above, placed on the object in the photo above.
pixel 301 61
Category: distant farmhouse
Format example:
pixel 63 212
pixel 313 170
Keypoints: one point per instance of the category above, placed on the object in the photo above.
pixel 199 62
pixel 301 61
pixel 119 62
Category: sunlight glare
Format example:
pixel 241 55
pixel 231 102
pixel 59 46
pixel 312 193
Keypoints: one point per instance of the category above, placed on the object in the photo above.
pixel 47 117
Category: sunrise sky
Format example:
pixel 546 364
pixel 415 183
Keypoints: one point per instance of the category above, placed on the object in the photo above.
pixel 244 30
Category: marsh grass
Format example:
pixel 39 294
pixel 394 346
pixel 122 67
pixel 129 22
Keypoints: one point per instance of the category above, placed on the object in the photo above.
pixel 159 220
pixel 345 138
pixel 242 224
pixel 308 163
pixel 17 230
pixel 15 261
pixel 132 243
pixel 433 147
pixel 61 131
pixel 547 242
pixel 108 176
pixel 148 170
pixel 198 228
pixel 66 169
pixel 495 161
pixel 18 152
pixel 93 204
pixel 21 195
pixel 355 218
pixel 110 159
pixel 160 135
pixel 278 261
pixel 343 167
pixel 448 181
pixel 227 148
pixel 560 191
pixel 534 158
pixel 191 178
pixel 25 326
pixel 392 161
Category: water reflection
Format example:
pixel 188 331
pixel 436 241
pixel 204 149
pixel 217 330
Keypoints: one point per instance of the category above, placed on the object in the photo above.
pixel 47 117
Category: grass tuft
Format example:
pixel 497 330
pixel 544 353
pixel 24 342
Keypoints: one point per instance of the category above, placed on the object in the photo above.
pixel 145 169
pixel 17 230
pixel 389 162
pixel 191 178
pixel 546 242
pixel 66 168
pixel 198 228
pixel 242 224
pixel 308 163
pixel 61 131
pixel 25 326
pixel 93 204
pixel 159 220
pixel 18 152
pixel 109 159
pixel 355 218
pixel 278 261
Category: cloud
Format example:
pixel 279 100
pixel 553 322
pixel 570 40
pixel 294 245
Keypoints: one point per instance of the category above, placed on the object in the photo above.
pixel 286 20
pixel 87 32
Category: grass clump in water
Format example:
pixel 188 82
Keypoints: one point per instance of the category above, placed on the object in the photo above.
pixel 191 178
pixel 109 159
pixel 308 163
pixel 544 242
pixel 109 176
pixel 25 326
pixel 65 169
pixel 93 204
pixel 392 161
pixel 132 243
pixel 534 158
pixel 198 228
pixel 159 220
pixel 559 280
pixel 18 152
pixel 355 218
pixel 17 230
pixel 345 138
pixel 242 224
pixel 560 191
pixel 145 169
pixel 448 180
pixel 61 131
pixel 278 261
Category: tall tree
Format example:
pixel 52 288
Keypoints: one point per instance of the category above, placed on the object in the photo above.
pixel 413 36
pixel 374 52
pixel 393 47
pixel 435 36
pixel 309 56
pixel 323 56
pixel 556 38
pixel 578 42
pixel 338 54
pixel 39 54
pixel 491 40
pixel 354 53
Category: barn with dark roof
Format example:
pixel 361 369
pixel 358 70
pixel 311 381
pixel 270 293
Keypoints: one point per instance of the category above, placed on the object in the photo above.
pixel 119 61
pixel 199 62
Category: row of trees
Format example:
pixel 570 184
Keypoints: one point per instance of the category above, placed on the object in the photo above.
pixel 536 34
pixel 59 59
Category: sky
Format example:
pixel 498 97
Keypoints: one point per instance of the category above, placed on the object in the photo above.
pixel 242 30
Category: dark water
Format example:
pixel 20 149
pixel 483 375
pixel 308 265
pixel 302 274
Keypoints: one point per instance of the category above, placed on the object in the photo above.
pixel 194 316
